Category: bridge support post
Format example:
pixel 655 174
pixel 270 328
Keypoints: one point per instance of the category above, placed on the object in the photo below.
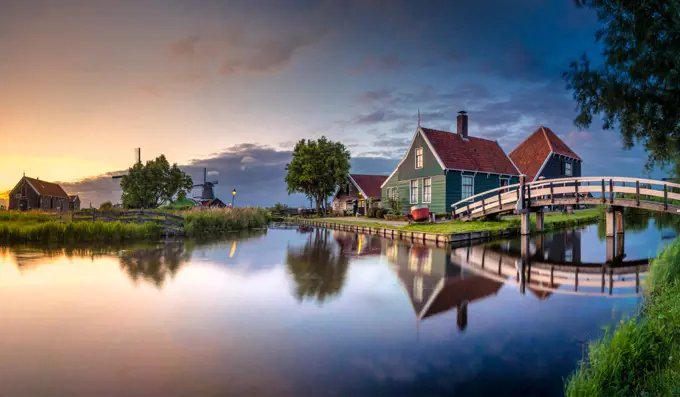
pixel 525 221
pixel 619 220
pixel 620 247
pixel 539 220
pixel 610 221
pixel 611 249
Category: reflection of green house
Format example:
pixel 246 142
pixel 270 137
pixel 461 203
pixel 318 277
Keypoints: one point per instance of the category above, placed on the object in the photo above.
pixel 434 283
pixel 441 168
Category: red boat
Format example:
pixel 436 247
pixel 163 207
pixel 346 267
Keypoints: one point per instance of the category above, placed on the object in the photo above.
pixel 420 214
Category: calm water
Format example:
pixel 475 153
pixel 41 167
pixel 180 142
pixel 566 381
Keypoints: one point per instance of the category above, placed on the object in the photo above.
pixel 305 312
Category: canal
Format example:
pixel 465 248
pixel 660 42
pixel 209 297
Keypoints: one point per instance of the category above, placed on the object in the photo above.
pixel 311 312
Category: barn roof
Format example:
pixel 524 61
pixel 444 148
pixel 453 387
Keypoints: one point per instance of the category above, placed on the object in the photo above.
pixel 369 185
pixel 530 155
pixel 46 188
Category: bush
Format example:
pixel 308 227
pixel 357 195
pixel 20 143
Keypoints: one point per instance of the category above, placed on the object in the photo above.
pixel 393 217
pixel 371 212
pixel 106 205
pixel 379 213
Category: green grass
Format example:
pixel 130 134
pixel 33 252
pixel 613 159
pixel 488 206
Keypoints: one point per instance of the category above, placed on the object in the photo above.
pixel 552 221
pixel 204 224
pixel 641 355
pixel 72 232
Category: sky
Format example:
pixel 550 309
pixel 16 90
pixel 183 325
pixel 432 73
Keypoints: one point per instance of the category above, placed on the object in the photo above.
pixel 232 85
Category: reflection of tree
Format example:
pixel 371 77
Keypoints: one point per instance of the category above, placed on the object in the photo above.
pixel 154 264
pixel 634 219
pixel 317 268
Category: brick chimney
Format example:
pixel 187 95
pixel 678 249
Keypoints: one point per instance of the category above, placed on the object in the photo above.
pixel 462 124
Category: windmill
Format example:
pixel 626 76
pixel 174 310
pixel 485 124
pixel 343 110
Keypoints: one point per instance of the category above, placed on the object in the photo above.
pixel 207 194
pixel 138 159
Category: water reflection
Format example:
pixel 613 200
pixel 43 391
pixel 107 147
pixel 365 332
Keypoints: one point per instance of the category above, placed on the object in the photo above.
pixel 318 268
pixel 155 264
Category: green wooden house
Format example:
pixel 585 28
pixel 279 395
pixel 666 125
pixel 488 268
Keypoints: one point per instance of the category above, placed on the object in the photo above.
pixel 441 168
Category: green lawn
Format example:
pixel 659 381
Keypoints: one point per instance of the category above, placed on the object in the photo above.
pixel 551 221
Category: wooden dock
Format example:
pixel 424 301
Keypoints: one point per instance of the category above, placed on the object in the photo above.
pixel 410 235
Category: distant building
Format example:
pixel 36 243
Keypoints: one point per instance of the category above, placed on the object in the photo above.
pixel 544 154
pixel 213 203
pixel 74 203
pixel 360 188
pixel 34 194
pixel 441 168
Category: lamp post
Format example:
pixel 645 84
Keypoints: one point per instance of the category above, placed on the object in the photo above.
pixel 233 196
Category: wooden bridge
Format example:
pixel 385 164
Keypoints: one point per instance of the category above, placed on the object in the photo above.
pixel 615 192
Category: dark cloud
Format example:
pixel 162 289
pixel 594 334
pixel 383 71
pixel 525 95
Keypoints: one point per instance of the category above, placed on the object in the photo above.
pixel 380 64
pixel 376 95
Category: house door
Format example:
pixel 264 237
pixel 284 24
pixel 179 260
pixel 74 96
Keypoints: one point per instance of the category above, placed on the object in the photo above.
pixel 23 205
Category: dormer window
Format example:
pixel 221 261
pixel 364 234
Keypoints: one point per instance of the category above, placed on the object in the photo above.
pixel 419 157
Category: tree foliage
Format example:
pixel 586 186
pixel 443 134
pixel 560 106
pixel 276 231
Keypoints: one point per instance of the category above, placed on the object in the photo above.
pixel 637 87
pixel 317 168
pixel 154 183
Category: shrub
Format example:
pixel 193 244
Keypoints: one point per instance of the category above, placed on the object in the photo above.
pixel 370 212
pixel 106 205
pixel 217 222
pixel 394 217
pixel 379 213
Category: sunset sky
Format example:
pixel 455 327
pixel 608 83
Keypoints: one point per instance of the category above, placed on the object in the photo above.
pixel 231 85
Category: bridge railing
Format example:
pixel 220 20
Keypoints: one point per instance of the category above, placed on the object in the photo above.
pixel 607 189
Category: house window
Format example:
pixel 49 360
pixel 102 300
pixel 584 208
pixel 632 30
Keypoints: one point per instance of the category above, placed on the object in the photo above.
pixel 419 157
pixel 468 187
pixel 414 191
pixel 567 168
pixel 569 255
pixel 505 181
pixel 427 190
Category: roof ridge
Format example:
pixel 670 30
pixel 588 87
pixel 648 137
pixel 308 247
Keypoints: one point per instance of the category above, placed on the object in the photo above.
pixel 545 134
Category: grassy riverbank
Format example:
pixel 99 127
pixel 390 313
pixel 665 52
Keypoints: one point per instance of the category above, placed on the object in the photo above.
pixel 641 355
pixel 30 227
pixel 552 221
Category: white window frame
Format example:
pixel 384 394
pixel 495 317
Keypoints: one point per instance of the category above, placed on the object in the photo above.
pixel 567 168
pixel 503 178
pixel 462 186
pixel 569 255
pixel 427 196
pixel 419 154
pixel 410 191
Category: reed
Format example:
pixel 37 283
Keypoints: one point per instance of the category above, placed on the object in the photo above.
pixel 204 224
pixel 72 232
pixel 641 355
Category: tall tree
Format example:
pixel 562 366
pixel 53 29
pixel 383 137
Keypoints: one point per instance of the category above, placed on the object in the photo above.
pixel 154 183
pixel 637 87
pixel 317 168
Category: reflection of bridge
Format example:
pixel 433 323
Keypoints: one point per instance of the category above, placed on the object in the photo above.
pixel 615 192
pixel 526 270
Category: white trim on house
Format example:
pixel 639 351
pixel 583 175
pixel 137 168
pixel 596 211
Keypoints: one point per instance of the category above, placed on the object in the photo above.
pixel 416 157
pixel 429 144
pixel 482 172
pixel 423 194
pixel 540 170
pixel 410 191
pixel 508 156
pixel 500 180
pixel 358 187
pixel 462 177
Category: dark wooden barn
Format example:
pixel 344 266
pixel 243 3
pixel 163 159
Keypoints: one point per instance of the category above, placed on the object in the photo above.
pixel 74 203
pixel 34 194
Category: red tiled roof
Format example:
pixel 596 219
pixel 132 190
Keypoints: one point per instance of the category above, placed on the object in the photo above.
pixel 474 154
pixel 530 155
pixel 459 290
pixel 47 188
pixel 370 184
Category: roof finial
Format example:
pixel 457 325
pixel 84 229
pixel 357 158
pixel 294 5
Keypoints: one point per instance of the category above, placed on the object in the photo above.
pixel 418 117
